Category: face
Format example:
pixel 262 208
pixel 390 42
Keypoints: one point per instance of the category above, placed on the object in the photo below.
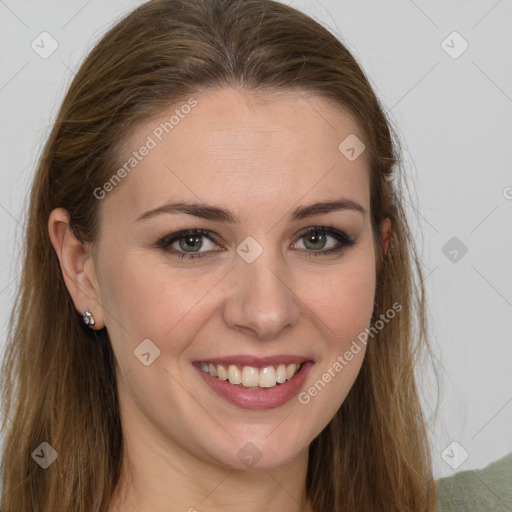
pixel 227 318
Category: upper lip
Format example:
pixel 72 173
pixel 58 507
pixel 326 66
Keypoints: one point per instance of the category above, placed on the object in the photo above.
pixel 256 362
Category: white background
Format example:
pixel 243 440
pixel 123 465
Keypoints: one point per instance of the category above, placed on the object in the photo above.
pixel 454 117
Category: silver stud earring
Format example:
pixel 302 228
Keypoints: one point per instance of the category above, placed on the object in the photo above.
pixel 88 318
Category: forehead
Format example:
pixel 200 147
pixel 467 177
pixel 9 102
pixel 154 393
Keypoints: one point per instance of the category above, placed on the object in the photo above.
pixel 246 149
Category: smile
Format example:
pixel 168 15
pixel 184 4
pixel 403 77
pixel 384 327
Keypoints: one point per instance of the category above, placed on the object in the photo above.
pixel 255 383
pixel 250 376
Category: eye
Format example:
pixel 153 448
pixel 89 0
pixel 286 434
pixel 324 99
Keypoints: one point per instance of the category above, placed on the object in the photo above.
pixel 200 243
pixel 187 244
pixel 322 240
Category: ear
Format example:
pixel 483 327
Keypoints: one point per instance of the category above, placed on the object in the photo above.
pixel 385 234
pixel 77 265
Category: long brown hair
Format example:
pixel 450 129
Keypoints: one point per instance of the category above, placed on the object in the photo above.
pixel 59 383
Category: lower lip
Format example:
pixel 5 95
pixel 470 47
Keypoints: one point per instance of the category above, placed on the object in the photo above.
pixel 258 398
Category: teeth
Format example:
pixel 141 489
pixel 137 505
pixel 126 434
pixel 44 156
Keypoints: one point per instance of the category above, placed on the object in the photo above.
pixel 281 374
pixel 268 377
pixel 234 374
pixel 212 370
pixel 221 372
pixel 251 377
pixel 291 370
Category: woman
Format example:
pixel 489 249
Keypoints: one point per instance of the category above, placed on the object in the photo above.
pixel 217 303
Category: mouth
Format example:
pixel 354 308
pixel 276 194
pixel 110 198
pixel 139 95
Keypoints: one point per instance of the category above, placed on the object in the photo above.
pixel 251 376
pixel 255 383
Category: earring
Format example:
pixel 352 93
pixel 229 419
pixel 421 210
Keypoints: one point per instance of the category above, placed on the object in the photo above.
pixel 88 318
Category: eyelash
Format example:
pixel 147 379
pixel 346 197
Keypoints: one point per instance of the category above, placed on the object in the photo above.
pixel 345 241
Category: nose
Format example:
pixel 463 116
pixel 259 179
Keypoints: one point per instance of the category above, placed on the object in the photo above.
pixel 261 302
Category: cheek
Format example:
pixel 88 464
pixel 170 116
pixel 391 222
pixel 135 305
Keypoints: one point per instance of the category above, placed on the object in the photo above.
pixel 343 306
pixel 146 300
pixel 344 299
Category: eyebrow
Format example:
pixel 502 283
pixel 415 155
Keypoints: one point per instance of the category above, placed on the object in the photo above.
pixel 219 214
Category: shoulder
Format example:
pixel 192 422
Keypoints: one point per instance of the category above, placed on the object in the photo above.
pixel 488 489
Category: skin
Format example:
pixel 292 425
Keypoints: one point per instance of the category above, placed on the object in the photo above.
pixel 261 157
